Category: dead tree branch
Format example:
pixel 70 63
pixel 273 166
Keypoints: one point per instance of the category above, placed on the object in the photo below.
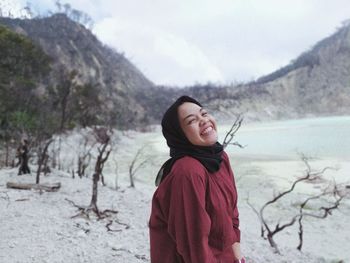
pixel 268 231
pixel 139 161
pixel 232 132
pixel 84 158
pixel 110 222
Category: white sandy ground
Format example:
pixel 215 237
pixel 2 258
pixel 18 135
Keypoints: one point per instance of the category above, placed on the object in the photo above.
pixel 37 227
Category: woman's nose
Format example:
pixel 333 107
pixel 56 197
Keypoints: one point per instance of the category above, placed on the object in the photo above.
pixel 203 120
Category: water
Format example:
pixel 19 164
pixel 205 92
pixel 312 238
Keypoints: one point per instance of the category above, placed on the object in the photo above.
pixel 318 137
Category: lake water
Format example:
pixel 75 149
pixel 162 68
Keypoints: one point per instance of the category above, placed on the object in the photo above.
pixel 327 137
pixel 319 138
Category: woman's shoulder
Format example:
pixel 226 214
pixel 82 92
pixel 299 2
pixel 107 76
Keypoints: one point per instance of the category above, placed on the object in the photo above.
pixel 188 163
pixel 188 167
pixel 225 158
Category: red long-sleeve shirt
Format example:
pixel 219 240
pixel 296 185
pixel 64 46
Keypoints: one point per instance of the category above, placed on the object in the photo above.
pixel 194 216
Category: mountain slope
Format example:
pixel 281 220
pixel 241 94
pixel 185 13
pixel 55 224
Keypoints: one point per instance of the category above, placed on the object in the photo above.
pixel 74 48
pixel 317 83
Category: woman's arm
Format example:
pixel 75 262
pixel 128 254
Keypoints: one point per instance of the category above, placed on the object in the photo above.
pixel 188 222
pixel 236 247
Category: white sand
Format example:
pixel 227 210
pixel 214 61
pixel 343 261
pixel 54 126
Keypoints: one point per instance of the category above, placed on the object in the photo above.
pixel 261 180
pixel 38 227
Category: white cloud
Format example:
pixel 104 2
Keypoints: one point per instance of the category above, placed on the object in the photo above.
pixel 181 41
pixel 188 57
pixel 160 50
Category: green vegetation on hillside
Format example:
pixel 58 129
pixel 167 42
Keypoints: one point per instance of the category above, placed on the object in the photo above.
pixel 22 66
pixel 28 104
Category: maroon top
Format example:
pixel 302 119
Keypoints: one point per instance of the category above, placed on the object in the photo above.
pixel 194 216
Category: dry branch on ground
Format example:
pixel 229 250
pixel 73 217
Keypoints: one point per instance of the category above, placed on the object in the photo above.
pixel 42 187
pixel 332 192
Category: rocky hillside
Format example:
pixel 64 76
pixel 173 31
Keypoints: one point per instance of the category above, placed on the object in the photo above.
pixel 77 55
pixel 317 83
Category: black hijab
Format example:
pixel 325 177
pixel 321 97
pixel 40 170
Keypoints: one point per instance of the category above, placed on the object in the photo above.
pixel 180 146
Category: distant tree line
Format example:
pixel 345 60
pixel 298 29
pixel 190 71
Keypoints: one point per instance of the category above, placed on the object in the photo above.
pixel 74 14
pixel 65 8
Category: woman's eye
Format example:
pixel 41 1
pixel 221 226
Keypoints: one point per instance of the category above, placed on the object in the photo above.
pixel 191 121
pixel 204 113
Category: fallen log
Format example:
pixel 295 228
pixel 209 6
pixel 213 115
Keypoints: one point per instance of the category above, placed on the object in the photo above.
pixel 44 187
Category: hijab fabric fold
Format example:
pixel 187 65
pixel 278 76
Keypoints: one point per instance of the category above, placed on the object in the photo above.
pixel 209 156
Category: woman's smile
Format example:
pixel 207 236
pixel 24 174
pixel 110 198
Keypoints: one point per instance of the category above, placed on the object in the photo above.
pixel 207 130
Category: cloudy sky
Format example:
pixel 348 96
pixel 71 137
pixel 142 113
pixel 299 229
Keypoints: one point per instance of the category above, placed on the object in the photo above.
pixel 182 42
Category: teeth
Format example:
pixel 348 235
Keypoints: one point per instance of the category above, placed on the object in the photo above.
pixel 207 130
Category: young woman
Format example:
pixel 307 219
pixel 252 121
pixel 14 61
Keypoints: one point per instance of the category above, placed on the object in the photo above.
pixel 194 217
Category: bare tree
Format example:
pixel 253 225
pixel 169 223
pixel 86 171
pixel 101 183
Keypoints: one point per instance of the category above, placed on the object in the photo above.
pixel 64 94
pixel 22 154
pixel 58 6
pixel 83 163
pixel 140 160
pixel 103 154
pixel 103 137
pixel 232 132
pixel 269 230
pixel 74 14
pixel 42 159
pixel 27 11
pixel 116 166
pixel 84 156
pixel 67 8
pixel 41 148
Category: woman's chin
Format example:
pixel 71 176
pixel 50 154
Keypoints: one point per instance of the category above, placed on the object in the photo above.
pixel 209 140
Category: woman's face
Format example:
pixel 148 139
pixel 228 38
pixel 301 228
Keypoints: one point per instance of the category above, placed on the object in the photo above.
pixel 198 126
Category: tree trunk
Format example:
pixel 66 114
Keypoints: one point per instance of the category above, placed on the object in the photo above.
pixel 97 174
pixel 37 180
pixel 103 180
pixel 7 153
pixel 22 153
pixel 272 242
pixel 95 180
pixel 59 154
pixel 41 160
pixel 300 233
pixel 63 112
pixel 132 183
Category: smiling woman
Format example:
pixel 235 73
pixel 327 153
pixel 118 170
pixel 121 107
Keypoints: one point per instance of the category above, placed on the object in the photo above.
pixel 198 126
pixel 194 217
